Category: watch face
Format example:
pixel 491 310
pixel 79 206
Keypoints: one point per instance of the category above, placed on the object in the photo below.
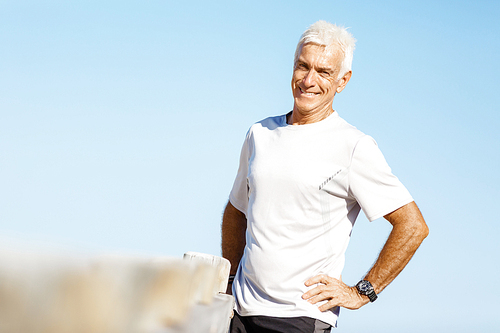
pixel 364 287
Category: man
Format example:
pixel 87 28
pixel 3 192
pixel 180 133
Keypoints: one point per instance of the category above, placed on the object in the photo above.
pixel 302 180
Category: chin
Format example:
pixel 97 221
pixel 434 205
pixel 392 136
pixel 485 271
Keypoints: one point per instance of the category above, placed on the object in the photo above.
pixel 305 108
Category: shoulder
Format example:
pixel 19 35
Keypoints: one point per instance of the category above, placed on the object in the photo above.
pixel 349 133
pixel 269 123
pixel 265 125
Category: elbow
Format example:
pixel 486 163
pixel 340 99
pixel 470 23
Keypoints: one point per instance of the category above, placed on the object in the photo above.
pixel 421 231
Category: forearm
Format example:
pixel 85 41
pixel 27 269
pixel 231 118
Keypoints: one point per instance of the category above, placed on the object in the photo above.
pixel 233 231
pixel 409 230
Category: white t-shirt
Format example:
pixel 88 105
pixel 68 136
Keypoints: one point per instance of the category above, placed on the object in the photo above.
pixel 301 189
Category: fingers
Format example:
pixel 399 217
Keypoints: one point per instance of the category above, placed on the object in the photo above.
pixel 322 294
pixel 321 278
pixel 327 306
pixel 318 296
pixel 331 291
pixel 314 292
pixel 325 291
pixel 324 281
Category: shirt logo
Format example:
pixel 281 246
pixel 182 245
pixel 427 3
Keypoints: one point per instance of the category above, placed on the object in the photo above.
pixel 329 179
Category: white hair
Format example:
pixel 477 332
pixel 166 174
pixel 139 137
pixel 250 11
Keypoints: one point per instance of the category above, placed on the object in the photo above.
pixel 328 34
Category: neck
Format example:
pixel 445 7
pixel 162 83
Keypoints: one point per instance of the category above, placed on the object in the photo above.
pixel 300 118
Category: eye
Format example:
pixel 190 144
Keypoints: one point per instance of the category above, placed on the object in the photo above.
pixel 301 66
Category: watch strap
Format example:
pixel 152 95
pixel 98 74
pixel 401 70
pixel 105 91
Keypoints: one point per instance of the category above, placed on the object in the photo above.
pixel 372 296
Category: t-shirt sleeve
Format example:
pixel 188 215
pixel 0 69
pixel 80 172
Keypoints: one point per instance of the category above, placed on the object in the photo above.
pixel 372 183
pixel 239 193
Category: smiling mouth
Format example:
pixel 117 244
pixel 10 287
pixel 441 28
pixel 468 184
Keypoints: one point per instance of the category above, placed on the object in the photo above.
pixel 308 93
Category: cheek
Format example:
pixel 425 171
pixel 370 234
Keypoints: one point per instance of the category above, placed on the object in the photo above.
pixel 330 86
pixel 297 77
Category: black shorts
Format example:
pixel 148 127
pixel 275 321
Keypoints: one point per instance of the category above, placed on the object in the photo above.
pixel 265 324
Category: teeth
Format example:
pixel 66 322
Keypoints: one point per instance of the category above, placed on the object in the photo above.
pixel 307 93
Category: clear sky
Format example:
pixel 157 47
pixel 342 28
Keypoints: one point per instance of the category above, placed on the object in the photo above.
pixel 121 125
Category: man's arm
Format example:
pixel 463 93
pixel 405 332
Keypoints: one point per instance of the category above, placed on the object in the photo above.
pixel 408 231
pixel 234 226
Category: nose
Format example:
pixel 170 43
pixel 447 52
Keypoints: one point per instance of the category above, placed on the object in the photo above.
pixel 310 78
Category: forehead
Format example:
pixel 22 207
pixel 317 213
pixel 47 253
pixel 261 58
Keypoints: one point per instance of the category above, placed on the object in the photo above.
pixel 320 55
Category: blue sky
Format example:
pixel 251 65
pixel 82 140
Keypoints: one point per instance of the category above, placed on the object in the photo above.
pixel 121 124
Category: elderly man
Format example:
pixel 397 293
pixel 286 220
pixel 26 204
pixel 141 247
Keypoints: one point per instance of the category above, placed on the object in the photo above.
pixel 302 180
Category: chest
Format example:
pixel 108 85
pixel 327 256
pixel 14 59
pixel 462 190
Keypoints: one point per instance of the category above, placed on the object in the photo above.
pixel 306 163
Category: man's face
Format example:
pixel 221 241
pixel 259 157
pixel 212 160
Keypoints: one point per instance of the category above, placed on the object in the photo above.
pixel 314 80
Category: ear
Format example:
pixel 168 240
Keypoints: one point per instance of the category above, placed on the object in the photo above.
pixel 343 81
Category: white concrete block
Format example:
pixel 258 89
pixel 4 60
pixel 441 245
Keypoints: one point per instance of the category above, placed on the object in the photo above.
pixel 222 265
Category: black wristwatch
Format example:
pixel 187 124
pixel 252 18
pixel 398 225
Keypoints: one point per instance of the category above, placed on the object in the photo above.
pixel 365 288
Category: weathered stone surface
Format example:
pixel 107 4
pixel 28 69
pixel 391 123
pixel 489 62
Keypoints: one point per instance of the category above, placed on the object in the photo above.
pixel 47 292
